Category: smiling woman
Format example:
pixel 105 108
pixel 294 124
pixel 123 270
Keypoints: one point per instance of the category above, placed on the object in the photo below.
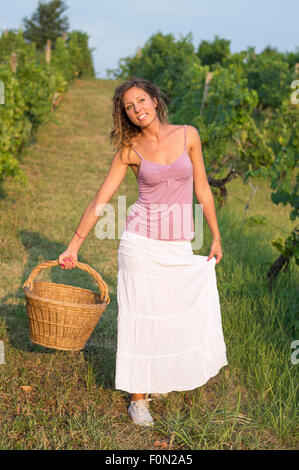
pixel 140 109
pixel 149 100
pixel 169 330
pixel 166 342
pixel 137 109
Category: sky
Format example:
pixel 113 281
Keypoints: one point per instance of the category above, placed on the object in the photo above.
pixel 117 27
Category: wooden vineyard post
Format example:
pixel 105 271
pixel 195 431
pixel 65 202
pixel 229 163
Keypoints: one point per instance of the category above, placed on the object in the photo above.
pixel 205 92
pixel 48 51
pixel 2 92
pixel 13 62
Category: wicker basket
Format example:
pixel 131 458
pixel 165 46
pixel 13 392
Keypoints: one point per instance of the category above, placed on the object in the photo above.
pixel 61 316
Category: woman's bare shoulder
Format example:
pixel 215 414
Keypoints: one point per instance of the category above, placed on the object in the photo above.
pixel 127 154
pixel 193 136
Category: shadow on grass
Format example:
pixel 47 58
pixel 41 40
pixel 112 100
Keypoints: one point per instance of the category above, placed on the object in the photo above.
pixel 100 349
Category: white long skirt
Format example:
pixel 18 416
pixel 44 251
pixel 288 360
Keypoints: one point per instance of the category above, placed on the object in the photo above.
pixel 169 329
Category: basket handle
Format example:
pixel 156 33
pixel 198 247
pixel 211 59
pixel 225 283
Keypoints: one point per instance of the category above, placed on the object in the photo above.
pixel 85 267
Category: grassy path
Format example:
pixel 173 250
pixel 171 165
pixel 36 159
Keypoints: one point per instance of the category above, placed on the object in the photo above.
pixel 69 400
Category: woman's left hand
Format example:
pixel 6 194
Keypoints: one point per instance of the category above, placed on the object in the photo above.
pixel 216 251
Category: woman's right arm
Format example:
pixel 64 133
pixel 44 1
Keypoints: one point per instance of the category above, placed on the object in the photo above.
pixel 93 211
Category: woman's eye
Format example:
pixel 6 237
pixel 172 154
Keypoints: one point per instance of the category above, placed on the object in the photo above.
pixel 141 99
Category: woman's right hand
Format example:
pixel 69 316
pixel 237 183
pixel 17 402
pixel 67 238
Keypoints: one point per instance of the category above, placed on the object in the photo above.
pixel 67 258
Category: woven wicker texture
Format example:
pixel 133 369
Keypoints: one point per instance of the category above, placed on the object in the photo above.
pixel 61 316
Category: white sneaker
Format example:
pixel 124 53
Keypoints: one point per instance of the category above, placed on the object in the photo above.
pixel 139 412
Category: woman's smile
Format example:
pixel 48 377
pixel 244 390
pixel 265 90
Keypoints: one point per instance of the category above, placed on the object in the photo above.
pixel 143 116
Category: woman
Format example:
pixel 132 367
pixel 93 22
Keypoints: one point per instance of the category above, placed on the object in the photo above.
pixel 169 323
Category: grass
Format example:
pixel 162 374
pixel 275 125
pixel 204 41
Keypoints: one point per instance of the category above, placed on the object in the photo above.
pixel 62 400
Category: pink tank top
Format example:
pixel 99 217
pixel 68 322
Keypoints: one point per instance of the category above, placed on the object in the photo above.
pixel 164 209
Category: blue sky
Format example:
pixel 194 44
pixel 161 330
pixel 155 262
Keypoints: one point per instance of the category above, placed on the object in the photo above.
pixel 117 27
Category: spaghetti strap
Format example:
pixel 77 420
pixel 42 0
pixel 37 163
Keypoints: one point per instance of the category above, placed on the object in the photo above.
pixel 137 153
pixel 185 137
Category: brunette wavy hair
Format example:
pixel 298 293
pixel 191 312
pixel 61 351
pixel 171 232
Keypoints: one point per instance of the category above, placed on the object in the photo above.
pixel 123 128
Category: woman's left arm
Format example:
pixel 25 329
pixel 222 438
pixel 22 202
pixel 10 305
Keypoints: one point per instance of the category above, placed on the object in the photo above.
pixel 203 191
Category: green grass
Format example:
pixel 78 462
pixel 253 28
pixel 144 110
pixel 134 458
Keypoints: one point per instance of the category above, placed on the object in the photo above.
pixel 72 403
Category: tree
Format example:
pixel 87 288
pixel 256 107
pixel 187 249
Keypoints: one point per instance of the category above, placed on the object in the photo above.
pixel 268 50
pixel 161 60
pixel 292 57
pixel 269 74
pixel 46 23
pixel 211 52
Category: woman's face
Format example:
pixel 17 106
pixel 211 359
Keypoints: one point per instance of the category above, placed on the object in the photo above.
pixel 139 106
